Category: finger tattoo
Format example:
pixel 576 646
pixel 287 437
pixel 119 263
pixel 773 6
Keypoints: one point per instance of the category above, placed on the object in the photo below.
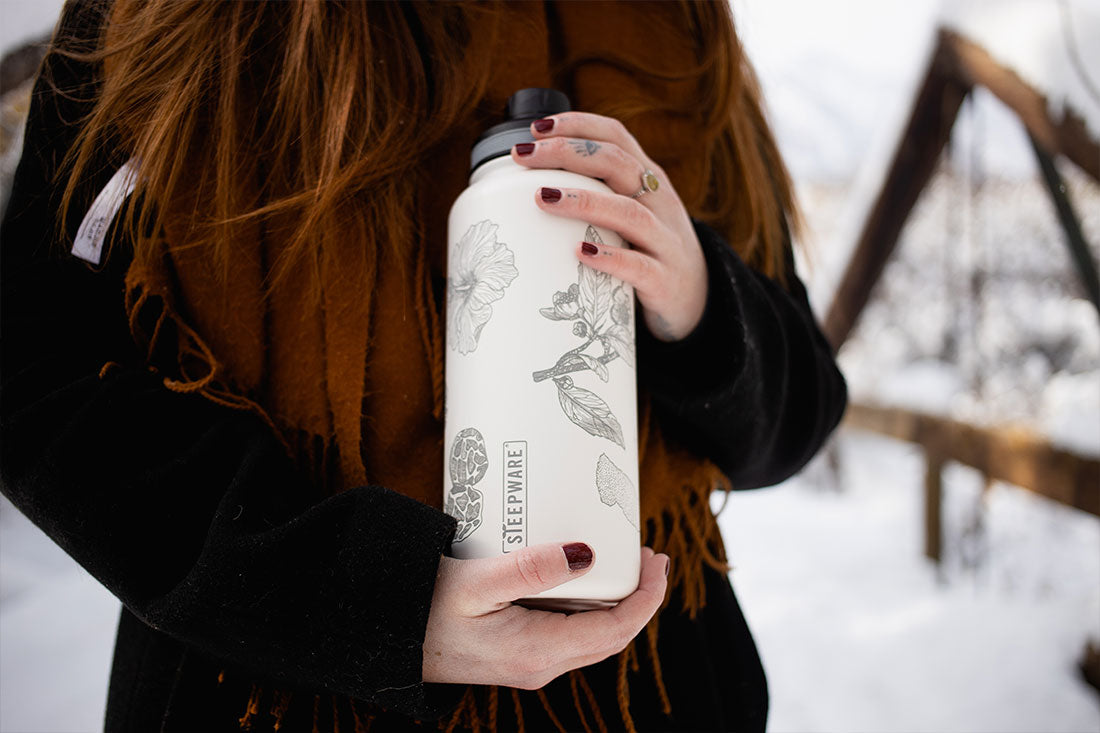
pixel 584 147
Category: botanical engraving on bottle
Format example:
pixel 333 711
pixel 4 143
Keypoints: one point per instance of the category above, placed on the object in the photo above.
pixel 513 527
pixel 601 316
pixel 469 463
pixel 479 269
pixel 616 489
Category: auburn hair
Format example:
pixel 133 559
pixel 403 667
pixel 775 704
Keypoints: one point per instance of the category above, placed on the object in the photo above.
pixel 314 108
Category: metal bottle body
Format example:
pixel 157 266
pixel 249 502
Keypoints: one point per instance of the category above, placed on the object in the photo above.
pixel 540 436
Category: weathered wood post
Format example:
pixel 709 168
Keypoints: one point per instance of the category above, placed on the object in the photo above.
pixel 934 458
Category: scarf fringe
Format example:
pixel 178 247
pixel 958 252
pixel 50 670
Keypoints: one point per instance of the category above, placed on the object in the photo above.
pixel 541 693
pixel 143 307
pixel 574 687
pixel 362 723
pixel 279 706
pixel 658 675
pixel 520 727
pixel 494 702
pixel 591 697
pixel 253 708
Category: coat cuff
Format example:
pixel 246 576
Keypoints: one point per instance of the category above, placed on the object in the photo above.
pixel 408 611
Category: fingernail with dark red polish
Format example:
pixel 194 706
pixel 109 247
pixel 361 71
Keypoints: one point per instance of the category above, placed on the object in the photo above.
pixel 668 564
pixel 525 148
pixel 550 195
pixel 578 555
pixel 544 125
pixel 588 248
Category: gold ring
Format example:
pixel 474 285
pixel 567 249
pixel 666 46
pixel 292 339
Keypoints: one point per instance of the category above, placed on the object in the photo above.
pixel 649 184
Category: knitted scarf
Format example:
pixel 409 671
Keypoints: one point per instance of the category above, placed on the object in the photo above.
pixel 352 382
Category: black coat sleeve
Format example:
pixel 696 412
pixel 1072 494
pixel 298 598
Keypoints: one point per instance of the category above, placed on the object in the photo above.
pixel 191 513
pixel 754 387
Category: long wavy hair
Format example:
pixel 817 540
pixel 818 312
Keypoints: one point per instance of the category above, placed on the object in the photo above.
pixel 313 108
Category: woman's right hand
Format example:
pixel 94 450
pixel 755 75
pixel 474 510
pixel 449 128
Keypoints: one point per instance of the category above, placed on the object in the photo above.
pixel 476 635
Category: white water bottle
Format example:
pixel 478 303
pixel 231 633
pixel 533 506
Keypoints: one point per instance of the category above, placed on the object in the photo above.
pixel 541 427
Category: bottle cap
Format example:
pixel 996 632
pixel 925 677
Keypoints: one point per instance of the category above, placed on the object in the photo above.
pixel 524 107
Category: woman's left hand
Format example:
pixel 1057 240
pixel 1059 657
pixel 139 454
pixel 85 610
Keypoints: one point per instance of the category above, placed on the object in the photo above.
pixel 666 265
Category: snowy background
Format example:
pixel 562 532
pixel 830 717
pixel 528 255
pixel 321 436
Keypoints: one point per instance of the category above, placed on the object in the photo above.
pixel 979 317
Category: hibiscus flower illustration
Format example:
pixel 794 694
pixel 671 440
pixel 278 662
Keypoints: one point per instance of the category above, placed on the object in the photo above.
pixel 480 269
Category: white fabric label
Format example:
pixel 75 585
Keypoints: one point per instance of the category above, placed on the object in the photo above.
pixel 88 244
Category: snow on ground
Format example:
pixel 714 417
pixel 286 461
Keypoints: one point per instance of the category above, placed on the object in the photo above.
pixel 858 632
pixel 57 627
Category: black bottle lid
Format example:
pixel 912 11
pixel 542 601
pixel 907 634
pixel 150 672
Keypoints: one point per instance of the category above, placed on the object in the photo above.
pixel 524 107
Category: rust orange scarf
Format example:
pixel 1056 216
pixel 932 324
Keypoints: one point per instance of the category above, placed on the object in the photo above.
pixel 353 382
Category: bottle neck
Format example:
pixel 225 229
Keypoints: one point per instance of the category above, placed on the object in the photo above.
pixel 493 166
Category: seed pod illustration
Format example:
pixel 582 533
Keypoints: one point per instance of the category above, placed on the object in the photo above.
pixel 464 504
pixel 469 460
pixel 469 463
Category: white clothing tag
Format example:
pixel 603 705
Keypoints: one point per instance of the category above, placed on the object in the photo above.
pixel 88 244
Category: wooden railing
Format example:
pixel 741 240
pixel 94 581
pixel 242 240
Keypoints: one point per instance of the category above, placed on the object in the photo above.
pixel 1013 455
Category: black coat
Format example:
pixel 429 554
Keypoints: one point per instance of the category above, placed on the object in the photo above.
pixel 226 558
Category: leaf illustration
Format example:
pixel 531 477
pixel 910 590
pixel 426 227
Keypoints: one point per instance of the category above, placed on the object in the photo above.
pixel 595 365
pixel 595 295
pixel 569 360
pixel 620 339
pixel 553 315
pixel 595 288
pixel 591 235
pixel 588 411
pixel 620 306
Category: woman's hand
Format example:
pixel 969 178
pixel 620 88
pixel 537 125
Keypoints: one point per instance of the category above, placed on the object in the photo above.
pixel 476 635
pixel 666 265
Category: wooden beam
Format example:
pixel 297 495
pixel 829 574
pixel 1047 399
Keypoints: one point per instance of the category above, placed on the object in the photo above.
pixel 1090 664
pixel 1075 240
pixel 914 162
pixel 1012 455
pixel 1065 134
pixel 957 66
pixel 21 64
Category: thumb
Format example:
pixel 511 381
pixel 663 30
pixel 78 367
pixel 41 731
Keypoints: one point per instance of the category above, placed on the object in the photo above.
pixel 529 571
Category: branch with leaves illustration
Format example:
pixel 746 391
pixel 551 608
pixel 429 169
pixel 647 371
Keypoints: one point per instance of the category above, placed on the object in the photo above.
pixel 600 314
